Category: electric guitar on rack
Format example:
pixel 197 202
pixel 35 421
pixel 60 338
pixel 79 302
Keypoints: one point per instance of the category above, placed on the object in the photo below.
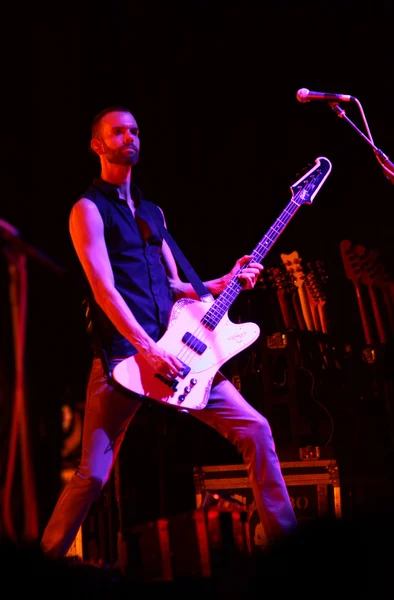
pixel 315 280
pixel 382 281
pixel 380 301
pixel 283 284
pixel 293 264
pixel 361 267
pixel 311 299
pixel 201 334
pixel 353 258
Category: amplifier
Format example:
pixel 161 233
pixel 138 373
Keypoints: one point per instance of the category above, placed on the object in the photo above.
pixel 313 486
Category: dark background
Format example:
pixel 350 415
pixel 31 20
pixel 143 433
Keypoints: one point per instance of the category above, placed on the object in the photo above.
pixel 213 87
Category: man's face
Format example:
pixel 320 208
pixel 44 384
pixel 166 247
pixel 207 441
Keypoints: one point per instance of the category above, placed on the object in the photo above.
pixel 119 138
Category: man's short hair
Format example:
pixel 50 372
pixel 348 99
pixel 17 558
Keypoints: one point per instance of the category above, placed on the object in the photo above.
pixel 96 122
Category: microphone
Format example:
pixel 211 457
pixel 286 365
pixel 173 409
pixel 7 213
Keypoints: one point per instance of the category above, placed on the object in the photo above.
pixel 304 95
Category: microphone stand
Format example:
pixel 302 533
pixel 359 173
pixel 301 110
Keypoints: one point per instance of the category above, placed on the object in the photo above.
pixel 386 164
pixel 17 252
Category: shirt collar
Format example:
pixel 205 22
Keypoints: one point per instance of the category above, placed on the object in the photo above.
pixel 111 190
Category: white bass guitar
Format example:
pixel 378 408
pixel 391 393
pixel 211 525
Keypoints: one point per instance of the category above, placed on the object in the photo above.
pixel 201 334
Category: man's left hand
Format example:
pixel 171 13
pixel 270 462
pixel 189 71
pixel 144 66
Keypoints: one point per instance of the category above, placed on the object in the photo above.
pixel 247 270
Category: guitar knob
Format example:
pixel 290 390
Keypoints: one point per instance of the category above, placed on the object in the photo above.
pixel 181 398
pixel 193 381
pixel 187 389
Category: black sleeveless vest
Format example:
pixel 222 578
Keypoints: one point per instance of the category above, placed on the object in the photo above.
pixel 134 247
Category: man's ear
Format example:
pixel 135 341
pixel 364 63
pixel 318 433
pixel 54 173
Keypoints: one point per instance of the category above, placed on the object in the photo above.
pixel 97 146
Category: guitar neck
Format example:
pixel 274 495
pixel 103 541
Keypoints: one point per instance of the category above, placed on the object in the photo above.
pixel 315 283
pixel 388 296
pixel 283 287
pixel 324 323
pixel 306 308
pixel 285 308
pixel 376 310
pixel 303 191
pixel 365 321
pixel 298 311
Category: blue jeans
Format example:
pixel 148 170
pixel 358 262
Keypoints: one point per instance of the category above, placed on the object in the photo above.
pixel 108 414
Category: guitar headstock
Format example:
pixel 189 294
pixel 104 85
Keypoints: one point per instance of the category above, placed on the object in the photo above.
pixel 373 271
pixel 281 278
pixel 353 258
pixel 369 267
pixel 306 187
pixel 382 276
pixel 293 264
pixel 316 280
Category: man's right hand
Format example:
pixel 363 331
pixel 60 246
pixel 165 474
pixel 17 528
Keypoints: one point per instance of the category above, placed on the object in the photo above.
pixel 162 362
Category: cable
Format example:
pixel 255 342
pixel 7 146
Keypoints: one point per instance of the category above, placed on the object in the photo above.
pixel 320 404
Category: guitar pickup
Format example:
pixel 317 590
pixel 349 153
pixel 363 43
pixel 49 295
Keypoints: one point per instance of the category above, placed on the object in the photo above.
pixel 194 343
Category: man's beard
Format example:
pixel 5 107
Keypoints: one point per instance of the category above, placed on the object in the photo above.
pixel 118 157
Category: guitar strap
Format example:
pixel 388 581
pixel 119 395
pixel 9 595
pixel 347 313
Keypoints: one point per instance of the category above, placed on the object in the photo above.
pixel 185 265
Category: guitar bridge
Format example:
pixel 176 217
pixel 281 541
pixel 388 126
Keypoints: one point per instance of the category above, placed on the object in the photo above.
pixel 173 383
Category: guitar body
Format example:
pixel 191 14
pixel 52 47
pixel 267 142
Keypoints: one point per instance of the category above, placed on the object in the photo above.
pixel 221 344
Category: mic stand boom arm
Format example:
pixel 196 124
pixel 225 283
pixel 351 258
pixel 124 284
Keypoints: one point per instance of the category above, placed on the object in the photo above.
pixel 388 166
